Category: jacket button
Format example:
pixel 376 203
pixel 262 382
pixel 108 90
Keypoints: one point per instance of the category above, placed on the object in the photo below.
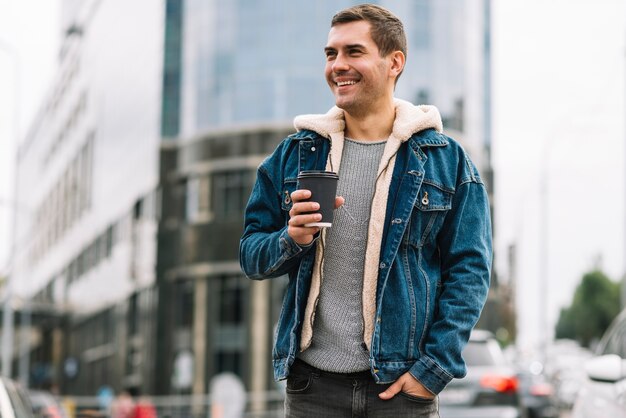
pixel 383 265
pixel 313 149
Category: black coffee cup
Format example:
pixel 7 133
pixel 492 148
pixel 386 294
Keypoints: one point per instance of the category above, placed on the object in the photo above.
pixel 323 187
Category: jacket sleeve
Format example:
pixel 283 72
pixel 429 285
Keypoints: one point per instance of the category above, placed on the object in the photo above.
pixel 465 244
pixel 265 248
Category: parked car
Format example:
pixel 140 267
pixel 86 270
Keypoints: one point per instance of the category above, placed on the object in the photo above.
pixel 537 395
pixel 604 393
pixel 46 405
pixel 563 369
pixel 491 387
pixel 14 401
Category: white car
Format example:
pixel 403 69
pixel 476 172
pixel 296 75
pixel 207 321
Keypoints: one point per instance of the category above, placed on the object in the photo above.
pixel 14 402
pixel 604 393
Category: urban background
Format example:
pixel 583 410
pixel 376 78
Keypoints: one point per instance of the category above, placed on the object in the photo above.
pixel 123 190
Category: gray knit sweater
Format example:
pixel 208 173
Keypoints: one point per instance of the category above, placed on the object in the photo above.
pixel 337 344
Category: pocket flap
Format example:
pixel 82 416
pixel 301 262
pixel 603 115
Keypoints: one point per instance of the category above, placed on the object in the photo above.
pixel 432 197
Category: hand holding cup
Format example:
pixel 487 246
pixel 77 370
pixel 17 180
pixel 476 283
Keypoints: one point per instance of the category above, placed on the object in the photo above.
pixel 305 212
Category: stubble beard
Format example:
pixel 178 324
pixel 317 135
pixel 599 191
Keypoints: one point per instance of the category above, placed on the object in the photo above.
pixel 358 104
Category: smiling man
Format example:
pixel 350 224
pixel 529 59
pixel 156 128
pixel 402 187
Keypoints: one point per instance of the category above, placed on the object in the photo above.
pixel 379 306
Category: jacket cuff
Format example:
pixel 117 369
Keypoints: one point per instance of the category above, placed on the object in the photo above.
pixel 429 374
pixel 292 248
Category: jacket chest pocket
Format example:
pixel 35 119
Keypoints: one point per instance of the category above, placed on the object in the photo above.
pixel 289 186
pixel 431 206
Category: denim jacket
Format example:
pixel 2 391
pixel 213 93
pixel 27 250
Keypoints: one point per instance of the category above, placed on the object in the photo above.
pixel 432 267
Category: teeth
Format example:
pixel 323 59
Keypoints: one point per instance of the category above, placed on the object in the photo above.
pixel 345 83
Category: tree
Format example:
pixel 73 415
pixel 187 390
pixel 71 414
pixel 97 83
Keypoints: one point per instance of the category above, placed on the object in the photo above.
pixel 596 302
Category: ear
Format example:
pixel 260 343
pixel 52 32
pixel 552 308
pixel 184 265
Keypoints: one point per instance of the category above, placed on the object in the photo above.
pixel 398 60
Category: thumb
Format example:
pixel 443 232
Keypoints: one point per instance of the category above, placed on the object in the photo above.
pixel 391 391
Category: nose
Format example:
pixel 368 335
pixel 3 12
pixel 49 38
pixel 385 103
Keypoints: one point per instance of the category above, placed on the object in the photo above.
pixel 340 63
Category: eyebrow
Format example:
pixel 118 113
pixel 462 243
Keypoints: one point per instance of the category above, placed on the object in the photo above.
pixel 350 46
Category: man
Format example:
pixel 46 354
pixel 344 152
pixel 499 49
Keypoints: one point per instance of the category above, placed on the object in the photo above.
pixel 379 306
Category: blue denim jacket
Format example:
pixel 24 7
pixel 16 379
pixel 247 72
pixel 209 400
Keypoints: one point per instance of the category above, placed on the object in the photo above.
pixel 435 258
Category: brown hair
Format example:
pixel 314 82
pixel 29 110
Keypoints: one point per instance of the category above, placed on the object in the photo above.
pixel 386 28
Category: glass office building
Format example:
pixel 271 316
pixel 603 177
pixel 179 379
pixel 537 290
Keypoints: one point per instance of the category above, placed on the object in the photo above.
pixel 262 60
pixel 246 69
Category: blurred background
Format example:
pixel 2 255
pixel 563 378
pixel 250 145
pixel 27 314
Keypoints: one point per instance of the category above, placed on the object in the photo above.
pixel 130 133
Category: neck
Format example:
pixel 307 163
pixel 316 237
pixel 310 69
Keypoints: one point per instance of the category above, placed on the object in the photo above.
pixel 374 125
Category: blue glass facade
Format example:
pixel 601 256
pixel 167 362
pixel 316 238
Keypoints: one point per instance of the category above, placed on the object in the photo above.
pixel 170 112
pixel 250 61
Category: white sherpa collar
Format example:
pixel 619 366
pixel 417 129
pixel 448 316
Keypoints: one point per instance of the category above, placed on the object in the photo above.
pixel 409 120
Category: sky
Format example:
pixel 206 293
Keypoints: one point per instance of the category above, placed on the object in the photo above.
pixel 558 137
pixel 558 153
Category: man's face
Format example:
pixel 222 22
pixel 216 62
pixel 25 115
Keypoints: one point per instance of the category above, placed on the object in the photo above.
pixel 356 73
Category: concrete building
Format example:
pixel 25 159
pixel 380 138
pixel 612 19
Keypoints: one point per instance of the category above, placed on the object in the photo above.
pixel 87 174
pixel 207 307
pixel 139 165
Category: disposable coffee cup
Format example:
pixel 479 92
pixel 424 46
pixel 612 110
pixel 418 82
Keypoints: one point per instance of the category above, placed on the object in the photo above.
pixel 323 187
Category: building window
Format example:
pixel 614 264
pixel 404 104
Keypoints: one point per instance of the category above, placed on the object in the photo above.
pixel 109 241
pixel 230 342
pixel 133 315
pixel 232 300
pixel 197 205
pixel 229 361
pixel 422 16
pixel 67 200
pixel 183 317
pixel 170 112
pixel 231 190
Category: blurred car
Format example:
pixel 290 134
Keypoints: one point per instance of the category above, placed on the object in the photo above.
pixel 537 395
pixel 604 393
pixel 46 405
pixel 14 401
pixel 563 369
pixel 490 388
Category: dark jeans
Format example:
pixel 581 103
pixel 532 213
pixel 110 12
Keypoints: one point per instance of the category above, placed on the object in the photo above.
pixel 312 393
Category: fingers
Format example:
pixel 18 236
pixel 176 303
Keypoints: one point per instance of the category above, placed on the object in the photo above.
pixel 391 391
pixel 300 195
pixel 302 213
pixel 407 384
